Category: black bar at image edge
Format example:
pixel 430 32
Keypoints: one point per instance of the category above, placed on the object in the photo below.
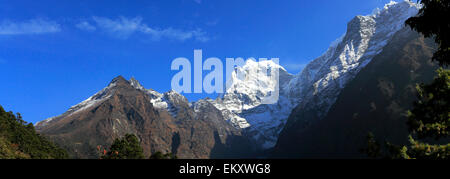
pixel 212 168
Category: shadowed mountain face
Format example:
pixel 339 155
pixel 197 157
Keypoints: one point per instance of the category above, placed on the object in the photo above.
pixel 189 132
pixel 376 100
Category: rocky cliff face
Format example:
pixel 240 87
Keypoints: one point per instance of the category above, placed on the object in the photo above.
pixel 162 122
pixel 376 100
pixel 319 84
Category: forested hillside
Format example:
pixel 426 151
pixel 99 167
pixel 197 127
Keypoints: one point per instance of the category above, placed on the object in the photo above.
pixel 19 140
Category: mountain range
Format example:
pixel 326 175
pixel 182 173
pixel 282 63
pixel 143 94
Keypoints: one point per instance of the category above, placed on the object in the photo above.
pixel 322 112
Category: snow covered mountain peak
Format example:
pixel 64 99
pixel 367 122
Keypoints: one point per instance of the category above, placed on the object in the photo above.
pixel 136 84
pixel 166 101
pixel 250 83
pixel 98 97
pixel 365 37
pixel 318 84
pixel 254 81
pixel 242 103
pixel 169 101
pixel 394 6
pixel 92 101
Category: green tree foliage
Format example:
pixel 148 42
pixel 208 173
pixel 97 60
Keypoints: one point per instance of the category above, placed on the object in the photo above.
pixel 373 149
pixel 430 114
pixel 160 155
pixel 19 140
pixel 430 117
pixel 126 148
pixel 433 21
pixel 10 151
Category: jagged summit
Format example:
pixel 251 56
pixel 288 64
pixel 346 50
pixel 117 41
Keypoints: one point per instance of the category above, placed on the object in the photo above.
pixel 366 36
pixel 119 78
pixel 163 122
pixel 166 101
pixel 117 83
pixel 135 83
pixel 377 97
pixel 242 104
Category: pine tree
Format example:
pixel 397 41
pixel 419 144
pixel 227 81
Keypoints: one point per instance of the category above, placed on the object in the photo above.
pixel 430 116
pixel 19 140
pixel 373 149
pixel 433 21
pixel 126 148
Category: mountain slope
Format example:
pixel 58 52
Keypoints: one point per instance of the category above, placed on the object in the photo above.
pixel 375 101
pixel 317 87
pixel 126 107
pixel 319 84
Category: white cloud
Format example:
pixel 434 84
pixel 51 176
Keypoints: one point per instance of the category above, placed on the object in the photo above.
pixel 124 27
pixel 33 26
pixel 121 27
pixel 175 34
pixel 84 25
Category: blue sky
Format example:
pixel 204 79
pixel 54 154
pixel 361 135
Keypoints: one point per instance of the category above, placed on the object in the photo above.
pixel 55 54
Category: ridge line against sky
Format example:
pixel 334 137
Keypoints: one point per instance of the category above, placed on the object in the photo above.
pixel 55 54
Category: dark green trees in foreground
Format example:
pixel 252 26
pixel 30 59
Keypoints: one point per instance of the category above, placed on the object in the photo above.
pixel 433 21
pixel 430 117
pixel 19 140
pixel 126 148
pixel 129 148
pixel 429 120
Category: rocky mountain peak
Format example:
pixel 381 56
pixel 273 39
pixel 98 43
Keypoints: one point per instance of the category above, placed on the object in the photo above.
pixel 136 84
pixel 119 79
